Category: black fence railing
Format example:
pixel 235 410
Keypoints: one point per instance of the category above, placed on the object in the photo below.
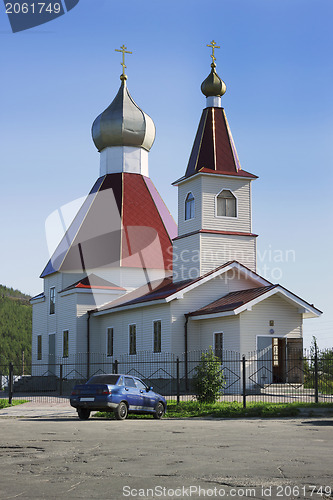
pixel 293 376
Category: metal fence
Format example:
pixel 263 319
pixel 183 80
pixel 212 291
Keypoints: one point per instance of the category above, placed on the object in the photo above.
pixel 297 376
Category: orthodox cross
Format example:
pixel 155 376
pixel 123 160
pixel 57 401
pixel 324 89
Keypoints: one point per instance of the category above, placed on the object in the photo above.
pixel 124 51
pixel 213 46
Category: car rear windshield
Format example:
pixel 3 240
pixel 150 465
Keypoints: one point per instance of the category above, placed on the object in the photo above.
pixel 104 379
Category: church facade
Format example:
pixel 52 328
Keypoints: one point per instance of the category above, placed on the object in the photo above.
pixel 124 279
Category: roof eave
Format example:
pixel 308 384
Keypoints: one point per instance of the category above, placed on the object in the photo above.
pixel 183 179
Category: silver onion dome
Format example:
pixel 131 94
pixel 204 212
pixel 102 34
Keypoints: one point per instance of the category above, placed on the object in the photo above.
pixel 123 123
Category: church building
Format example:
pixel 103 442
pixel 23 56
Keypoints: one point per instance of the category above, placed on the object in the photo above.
pixel 125 280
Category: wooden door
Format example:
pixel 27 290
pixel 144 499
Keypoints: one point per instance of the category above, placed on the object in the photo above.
pixel 295 374
pixel 279 360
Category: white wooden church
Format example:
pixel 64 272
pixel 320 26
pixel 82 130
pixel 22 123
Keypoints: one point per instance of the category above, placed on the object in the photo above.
pixel 125 280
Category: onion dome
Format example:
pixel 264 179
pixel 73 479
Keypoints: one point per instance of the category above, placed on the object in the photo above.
pixel 123 123
pixel 213 86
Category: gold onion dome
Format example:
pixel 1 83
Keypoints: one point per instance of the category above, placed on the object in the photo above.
pixel 213 86
pixel 123 123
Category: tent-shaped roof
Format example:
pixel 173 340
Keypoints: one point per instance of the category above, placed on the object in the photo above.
pixel 214 150
pixel 123 222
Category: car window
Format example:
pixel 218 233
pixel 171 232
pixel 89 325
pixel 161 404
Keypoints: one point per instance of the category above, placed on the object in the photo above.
pixel 129 382
pixel 140 385
pixel 104 379
pixel 121 381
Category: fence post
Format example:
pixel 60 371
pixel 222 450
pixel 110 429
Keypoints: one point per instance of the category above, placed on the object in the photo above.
pixel 10 383
pixel 316 374
pixel 60 380
pixel 244 380
pixel 115 366
pixel 178 382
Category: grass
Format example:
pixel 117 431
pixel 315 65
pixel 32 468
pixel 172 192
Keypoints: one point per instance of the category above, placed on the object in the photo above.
pixel 191 409
pixel 4 403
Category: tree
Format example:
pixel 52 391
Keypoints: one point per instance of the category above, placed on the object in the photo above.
pixel 208 380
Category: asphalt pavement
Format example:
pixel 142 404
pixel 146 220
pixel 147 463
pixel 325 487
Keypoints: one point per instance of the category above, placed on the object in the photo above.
pixel 47 452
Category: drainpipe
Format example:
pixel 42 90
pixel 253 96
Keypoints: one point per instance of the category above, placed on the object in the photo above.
pixel 186 349
pixel 88 345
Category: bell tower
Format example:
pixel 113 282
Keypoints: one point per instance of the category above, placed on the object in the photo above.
pixel 214 195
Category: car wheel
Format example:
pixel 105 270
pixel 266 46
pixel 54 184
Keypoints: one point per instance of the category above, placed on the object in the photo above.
pixel 83 413
pixel 121 411
pixel 159 411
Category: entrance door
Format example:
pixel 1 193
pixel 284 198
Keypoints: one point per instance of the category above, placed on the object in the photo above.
pixel 279 360
pixel 52 354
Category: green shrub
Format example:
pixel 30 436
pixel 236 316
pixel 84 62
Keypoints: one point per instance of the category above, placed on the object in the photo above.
pixel 208 380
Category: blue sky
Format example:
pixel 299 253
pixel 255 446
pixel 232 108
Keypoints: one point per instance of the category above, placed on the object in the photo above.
pixel 276 59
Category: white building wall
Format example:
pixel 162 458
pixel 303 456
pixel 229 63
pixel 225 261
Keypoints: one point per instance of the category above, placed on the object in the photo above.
pixel 217 249
pixel 143 319
pixel 66 312
pixel 186 258
pixel 129 278
pixel 287 322
pixel 199 297
pixel 193 186
pixel 211 187
pixel 204 338
pixel 39 327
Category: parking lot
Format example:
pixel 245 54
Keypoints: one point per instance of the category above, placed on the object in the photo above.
pixel 51 454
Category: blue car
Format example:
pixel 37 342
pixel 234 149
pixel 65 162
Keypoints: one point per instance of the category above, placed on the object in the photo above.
pixel 121 394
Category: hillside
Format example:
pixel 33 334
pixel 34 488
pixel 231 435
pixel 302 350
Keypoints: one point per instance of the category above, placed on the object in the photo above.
pixel 15 327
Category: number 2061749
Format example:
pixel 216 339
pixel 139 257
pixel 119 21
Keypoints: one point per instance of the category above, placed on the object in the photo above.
pixel 33 8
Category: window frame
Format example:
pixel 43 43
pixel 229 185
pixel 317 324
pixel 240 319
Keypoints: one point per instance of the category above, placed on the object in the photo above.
pixel 192 208
pixel 230 217
pixel 65 343
pixel 218 355
pixel 132 352
pixel 39 347
pixel 159 340
pixel 109 354
pixel 52 300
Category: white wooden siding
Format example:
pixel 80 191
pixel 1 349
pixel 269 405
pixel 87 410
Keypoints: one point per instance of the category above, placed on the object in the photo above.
pixel 217 249
pixel 143 319
pixel 212 186
pixel 186 258
pixel 199 297
pixel 129 278
pixel 39 327
pixel 287 322
pixel 193 186
pixel 204 334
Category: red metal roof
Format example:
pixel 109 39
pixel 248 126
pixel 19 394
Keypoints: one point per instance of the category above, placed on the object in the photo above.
pixel 214 150
pixel 93 281
pixel 119 224
pixel 161 289
pixel 232 301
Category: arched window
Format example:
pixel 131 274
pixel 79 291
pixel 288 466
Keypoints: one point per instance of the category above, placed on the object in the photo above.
pixel 189 206
pixel 226 204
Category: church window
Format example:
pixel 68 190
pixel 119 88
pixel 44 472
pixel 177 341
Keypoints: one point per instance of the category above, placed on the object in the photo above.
pixel 226 204
pixel 189 206
pixel 157 336
pixel 109 341
pixel 218 343
pixel 52 300
pixel 39 347
pixel 65 344
pixel 132 339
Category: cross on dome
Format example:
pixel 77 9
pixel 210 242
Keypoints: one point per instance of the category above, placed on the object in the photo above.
pixel 213 46
pixel 124 51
